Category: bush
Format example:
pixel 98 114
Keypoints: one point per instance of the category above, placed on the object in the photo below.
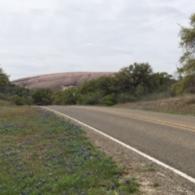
pixel 125 97
pixel 140 90
pixel 21 100
pixel 18 100
pixel 108 100
pixel 89 99
pixel 42 97
pixel 67 97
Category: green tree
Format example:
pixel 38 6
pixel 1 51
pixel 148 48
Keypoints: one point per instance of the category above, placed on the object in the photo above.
pixel 8 91
pixel 4 80
pixel 187 71
pixel 135 76
pixel 129 84
pixel 161 81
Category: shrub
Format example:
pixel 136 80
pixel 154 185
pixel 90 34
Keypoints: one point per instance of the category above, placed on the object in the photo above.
pixel 21 100
pixel 125 97
pixel 108 100
pixel 66 97
pixel 140 90
pixel 89 99
pixel 18 100
pixel 42 97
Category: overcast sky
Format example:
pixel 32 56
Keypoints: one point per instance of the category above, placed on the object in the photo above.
pixel 47 36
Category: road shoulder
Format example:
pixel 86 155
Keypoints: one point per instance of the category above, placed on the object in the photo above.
pixel 154 180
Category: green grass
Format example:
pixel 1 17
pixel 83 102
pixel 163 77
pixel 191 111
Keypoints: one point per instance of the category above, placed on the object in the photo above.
pixel 42 154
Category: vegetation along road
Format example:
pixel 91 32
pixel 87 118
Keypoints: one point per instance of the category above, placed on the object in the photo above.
pixel 165 137
pixel 42 154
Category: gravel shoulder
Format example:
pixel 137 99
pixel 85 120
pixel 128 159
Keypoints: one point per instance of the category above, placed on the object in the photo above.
pixel 153 179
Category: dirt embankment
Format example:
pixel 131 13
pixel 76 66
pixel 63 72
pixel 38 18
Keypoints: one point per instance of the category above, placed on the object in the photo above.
pixel 181 105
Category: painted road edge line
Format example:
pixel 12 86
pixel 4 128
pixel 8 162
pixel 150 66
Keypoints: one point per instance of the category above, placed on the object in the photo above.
pixel 154 160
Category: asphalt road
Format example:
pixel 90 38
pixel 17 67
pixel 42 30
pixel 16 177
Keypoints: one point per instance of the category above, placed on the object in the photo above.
pixel 168 138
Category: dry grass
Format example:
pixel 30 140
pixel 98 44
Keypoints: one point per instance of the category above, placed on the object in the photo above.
pixel 4 103
pixel 181 105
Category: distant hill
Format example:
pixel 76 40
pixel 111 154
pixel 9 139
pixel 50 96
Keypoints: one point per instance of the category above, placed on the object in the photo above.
pixel 59 80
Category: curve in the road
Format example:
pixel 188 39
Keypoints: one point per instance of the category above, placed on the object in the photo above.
pixel 71 116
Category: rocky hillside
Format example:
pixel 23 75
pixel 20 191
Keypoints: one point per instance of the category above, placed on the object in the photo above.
pixel 60 80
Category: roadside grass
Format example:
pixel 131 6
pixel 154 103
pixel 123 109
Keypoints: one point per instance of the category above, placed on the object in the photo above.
pixel 4 103
pixel 184 105
pixel 42 154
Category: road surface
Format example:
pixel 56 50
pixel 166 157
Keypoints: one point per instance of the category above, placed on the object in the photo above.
pixel 168 138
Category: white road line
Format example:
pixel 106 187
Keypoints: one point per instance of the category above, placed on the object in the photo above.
pixel 176 171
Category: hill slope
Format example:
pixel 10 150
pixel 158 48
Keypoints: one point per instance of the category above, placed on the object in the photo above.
pixel 181 105
pixel 59 80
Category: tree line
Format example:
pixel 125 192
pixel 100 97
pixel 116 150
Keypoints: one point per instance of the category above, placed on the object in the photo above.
pixel 129 84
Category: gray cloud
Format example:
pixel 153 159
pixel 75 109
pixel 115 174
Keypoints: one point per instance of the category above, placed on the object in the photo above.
pixel 45 36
